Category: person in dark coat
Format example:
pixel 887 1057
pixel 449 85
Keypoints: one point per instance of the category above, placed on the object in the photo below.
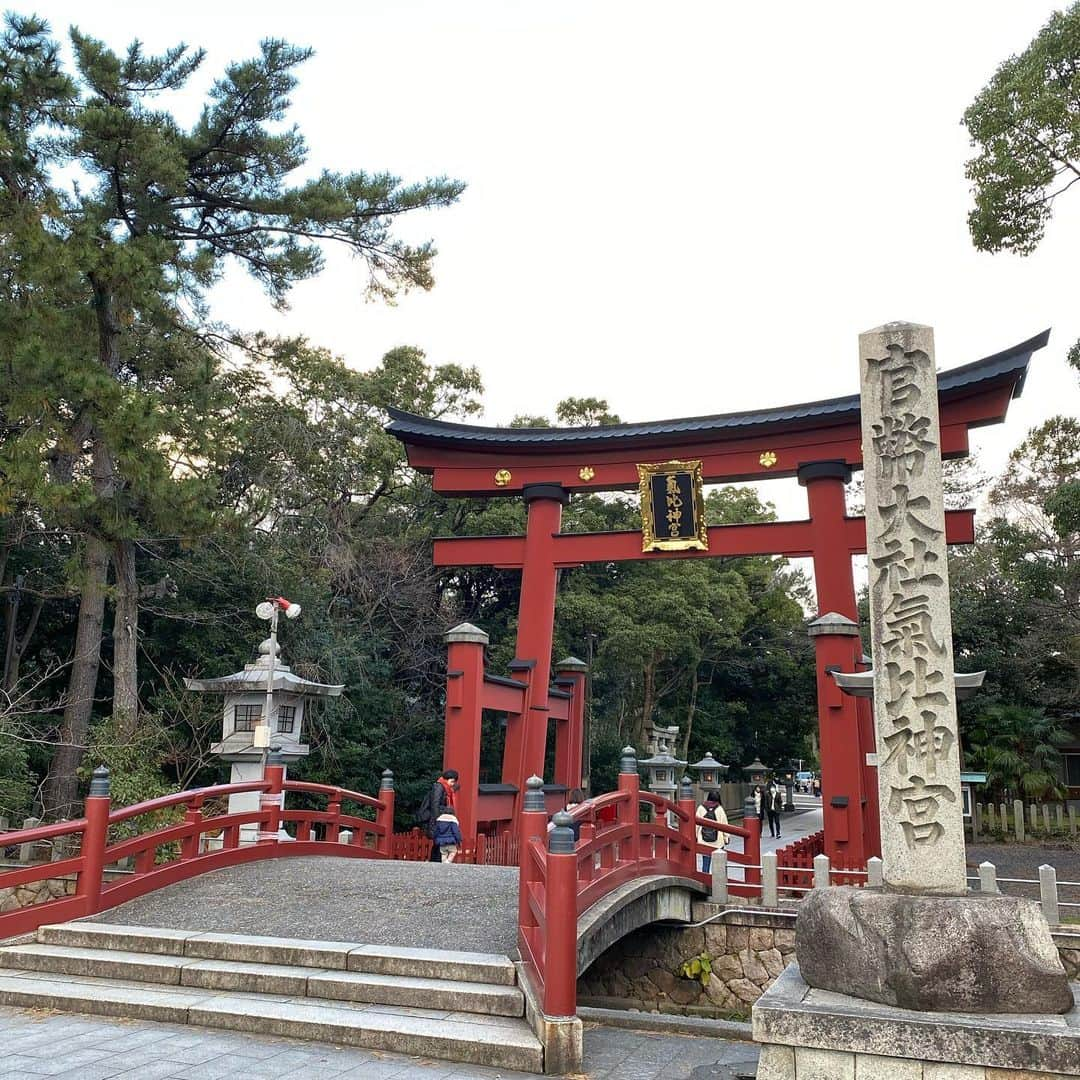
pixel 774 803
pixel 438 800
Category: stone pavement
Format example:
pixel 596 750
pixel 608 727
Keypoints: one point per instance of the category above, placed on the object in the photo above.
pixel 808 818
pixel 73 1047
pixel 319 897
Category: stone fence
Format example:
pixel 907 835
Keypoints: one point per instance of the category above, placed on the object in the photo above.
pixel 782 886
pixel 997 819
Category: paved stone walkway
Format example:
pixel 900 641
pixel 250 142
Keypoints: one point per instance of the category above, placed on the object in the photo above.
pixel 369 901
pixel 75 1047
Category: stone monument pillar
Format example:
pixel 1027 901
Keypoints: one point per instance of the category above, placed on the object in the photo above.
pixel 919 971
pixel 922 824
pixel 922 942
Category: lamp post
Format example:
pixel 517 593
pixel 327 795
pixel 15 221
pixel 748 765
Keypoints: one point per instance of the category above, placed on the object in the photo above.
pixel 269 609
pixel 710 775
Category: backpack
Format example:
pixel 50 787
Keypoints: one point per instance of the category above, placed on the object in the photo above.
pixel 428 812
pixel 709 835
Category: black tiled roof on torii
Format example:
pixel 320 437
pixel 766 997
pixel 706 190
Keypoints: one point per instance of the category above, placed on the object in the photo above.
pixel 1007 366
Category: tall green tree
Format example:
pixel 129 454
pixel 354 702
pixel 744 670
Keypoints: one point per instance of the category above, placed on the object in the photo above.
pixel 129 218
pixel 1025 126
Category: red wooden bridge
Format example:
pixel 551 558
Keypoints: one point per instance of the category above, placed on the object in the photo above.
pixel 625 835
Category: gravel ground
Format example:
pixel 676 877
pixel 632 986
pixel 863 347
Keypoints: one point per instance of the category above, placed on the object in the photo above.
pixel 369 901
pixel 1023 861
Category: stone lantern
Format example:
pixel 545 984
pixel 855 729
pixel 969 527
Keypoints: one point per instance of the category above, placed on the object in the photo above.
pixel 709 774
pixel 756 771
pixel 245 694
pixel 660 775
pixel 755 774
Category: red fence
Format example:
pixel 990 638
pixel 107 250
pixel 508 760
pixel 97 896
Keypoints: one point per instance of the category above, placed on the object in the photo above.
pixel 415 846
pixel 178 850
pixel 560 877
pixel 796 861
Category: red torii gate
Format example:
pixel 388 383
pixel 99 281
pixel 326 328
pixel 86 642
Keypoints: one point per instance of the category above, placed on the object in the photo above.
pixel 820 443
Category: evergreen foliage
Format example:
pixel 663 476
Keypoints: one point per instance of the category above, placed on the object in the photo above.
pixel 122 399
pixel 1025 125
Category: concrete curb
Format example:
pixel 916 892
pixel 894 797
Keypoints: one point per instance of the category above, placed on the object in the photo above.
pixel 667 1024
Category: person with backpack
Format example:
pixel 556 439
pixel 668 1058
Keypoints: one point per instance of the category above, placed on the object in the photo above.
pixel 714 838
pixel 437 801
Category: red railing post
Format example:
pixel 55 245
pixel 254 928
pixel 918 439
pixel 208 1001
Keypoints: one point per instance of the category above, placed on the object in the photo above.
pixel 384 816
pixel 752 848
pixel 560 911
pixel 687 827
pixel 629 809
pixel 95 837
pixel 333 826
pixel 532 826
pixel 272 800
pixel 189 846
pixel 587 865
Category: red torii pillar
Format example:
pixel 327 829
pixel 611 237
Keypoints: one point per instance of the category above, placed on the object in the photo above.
pixel 849 801
pixel 464 713
pixel 570 733
pixel 526 736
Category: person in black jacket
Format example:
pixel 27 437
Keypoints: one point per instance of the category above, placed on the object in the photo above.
pixel 436 803
pixel 774 803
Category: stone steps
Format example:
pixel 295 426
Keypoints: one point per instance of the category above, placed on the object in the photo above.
pixel 374 989
pixel 296 952
pixel 458 1006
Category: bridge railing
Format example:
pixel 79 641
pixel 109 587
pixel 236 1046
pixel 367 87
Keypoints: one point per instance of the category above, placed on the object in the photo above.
pixel 71 833
pixel 194 838
pixel 373 832
pixel 562 876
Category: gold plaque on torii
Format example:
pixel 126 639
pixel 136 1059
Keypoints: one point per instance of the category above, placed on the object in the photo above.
pixel 672 507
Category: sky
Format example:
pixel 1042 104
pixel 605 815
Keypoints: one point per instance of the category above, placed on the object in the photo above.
pixel 683 208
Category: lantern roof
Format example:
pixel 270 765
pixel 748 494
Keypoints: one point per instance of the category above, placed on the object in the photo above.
pixel 757 765
pixel 253 679
pixel 707 762
pixel 658 760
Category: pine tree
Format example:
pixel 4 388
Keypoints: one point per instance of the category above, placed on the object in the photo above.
pixel 115 221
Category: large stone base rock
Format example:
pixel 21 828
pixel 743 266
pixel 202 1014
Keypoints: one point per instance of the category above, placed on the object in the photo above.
pixel 973 954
